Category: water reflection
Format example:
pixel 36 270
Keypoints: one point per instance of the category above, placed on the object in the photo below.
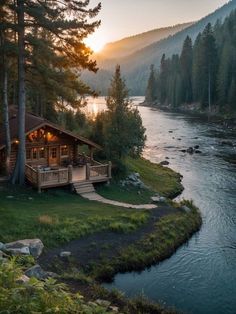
pixel 201 276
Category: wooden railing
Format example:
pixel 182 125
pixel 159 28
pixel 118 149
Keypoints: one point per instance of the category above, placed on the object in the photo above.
pixel 97 171
pixel 43 178
pixel 48 178
pixel 31 174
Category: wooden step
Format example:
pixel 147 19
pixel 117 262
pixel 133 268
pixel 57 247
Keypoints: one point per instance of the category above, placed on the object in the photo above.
pixel 83 187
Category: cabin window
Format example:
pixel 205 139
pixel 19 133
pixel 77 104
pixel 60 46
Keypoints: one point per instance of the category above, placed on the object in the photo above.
pixel 64 151
pixel 28 154
pixel 34 153
pixel 41 153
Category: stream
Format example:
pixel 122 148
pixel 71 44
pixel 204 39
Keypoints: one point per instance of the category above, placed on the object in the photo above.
pixel 201 276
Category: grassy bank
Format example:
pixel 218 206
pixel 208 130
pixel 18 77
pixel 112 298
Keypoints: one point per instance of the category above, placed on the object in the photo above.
pixel 103 239
pixel 157 178
pixel 168 234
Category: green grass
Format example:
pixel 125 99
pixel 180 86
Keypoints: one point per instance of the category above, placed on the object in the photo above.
pixel 58 216
pixel 170 232
pixel 156 177
pixel 131 195
pixel 160 179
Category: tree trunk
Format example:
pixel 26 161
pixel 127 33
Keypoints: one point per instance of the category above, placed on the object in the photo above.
pixel 6 117
pixel 19 171
pixel 5 105
pixel 209 91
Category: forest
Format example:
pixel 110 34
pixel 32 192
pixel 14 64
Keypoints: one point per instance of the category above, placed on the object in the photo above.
pixel 204 73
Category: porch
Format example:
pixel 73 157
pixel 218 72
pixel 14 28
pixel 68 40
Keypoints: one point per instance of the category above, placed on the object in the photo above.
pixel 48 177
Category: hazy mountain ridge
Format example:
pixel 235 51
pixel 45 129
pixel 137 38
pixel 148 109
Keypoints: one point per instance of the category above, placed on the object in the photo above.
pixel 129 45
pixel 135 67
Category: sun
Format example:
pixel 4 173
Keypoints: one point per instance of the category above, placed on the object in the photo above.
pixel 96 42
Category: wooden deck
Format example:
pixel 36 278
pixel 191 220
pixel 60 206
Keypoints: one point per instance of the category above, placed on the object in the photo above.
pixel 47 177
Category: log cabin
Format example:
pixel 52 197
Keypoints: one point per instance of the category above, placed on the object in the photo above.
pixel 54 156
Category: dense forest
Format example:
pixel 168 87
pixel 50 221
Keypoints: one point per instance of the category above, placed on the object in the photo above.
pixel 135 67
pixel 204 73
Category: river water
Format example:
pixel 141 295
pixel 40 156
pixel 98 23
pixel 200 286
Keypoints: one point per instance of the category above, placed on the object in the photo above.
pixel 201 276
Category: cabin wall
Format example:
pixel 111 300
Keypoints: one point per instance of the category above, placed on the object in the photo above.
pixel 46 147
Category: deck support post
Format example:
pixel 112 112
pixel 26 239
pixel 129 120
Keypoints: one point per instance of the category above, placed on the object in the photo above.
pixel 38 179
pixel 70 176
pixel 109 169
pixel 87 171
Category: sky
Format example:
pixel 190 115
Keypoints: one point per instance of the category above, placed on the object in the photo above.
pixel 122 18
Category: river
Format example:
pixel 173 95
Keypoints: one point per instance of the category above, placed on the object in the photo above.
pixel 201 276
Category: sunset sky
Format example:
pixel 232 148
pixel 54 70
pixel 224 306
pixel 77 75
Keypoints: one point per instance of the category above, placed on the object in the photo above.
pixel 122 18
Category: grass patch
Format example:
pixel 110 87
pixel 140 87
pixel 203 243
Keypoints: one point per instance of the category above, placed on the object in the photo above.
pixel 160 179
pixel 58 216
pixel 170 232
pixel 130 195
pixel 157 178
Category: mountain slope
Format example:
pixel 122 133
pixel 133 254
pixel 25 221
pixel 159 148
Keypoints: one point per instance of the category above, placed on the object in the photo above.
pixel 129 45
pixel 135 67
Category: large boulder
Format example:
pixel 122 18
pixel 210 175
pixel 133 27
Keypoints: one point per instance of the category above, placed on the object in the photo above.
pixel 2 246
pixel 18 250
pixel 27 246
pixel 133 180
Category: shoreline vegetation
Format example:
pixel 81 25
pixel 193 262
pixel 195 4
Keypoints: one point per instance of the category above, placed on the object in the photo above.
pixel 103 239
pixel 226 120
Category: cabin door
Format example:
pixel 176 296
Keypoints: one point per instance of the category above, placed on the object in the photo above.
pixel 53 156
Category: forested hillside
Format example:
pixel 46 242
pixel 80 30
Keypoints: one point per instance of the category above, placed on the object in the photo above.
pixel 129 45
pixel 136 66
pixel 204 73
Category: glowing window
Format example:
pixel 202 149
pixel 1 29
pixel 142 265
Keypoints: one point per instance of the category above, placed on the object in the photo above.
pixel 34 153
pixel 41 153
pixel 64 151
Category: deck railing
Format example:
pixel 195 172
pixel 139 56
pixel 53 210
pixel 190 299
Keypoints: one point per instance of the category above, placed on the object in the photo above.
pixel 97 171
pixel 43 177
pixel 48 178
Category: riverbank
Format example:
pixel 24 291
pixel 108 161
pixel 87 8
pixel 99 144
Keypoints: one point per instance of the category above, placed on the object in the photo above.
pixel 225 119
pixel 102 239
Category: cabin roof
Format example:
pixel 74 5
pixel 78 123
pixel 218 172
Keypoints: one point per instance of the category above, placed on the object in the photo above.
pixel 34 122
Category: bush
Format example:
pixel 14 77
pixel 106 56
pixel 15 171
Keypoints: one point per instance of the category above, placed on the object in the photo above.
pixel 38 296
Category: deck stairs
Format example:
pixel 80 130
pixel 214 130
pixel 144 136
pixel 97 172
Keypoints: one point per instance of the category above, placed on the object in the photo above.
pixel 83 187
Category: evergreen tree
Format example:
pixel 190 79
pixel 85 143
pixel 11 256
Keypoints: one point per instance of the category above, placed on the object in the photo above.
pixel 124 133
pixel 151 91
pixel 67 26
pixel 209 66
pixel 197 69
pixel 186 63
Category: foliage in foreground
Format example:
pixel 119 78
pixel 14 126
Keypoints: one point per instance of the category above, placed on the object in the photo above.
pixel 38 296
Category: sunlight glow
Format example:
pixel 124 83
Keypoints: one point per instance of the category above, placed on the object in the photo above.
pixel 96 41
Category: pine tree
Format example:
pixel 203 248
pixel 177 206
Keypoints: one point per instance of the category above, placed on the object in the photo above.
pixel 186 63
pixel 151 91
pixel 123 130
pixel 209 66
pixel 66 22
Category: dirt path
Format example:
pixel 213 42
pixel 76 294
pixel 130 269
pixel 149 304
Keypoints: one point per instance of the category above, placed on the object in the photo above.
pixel 106 244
